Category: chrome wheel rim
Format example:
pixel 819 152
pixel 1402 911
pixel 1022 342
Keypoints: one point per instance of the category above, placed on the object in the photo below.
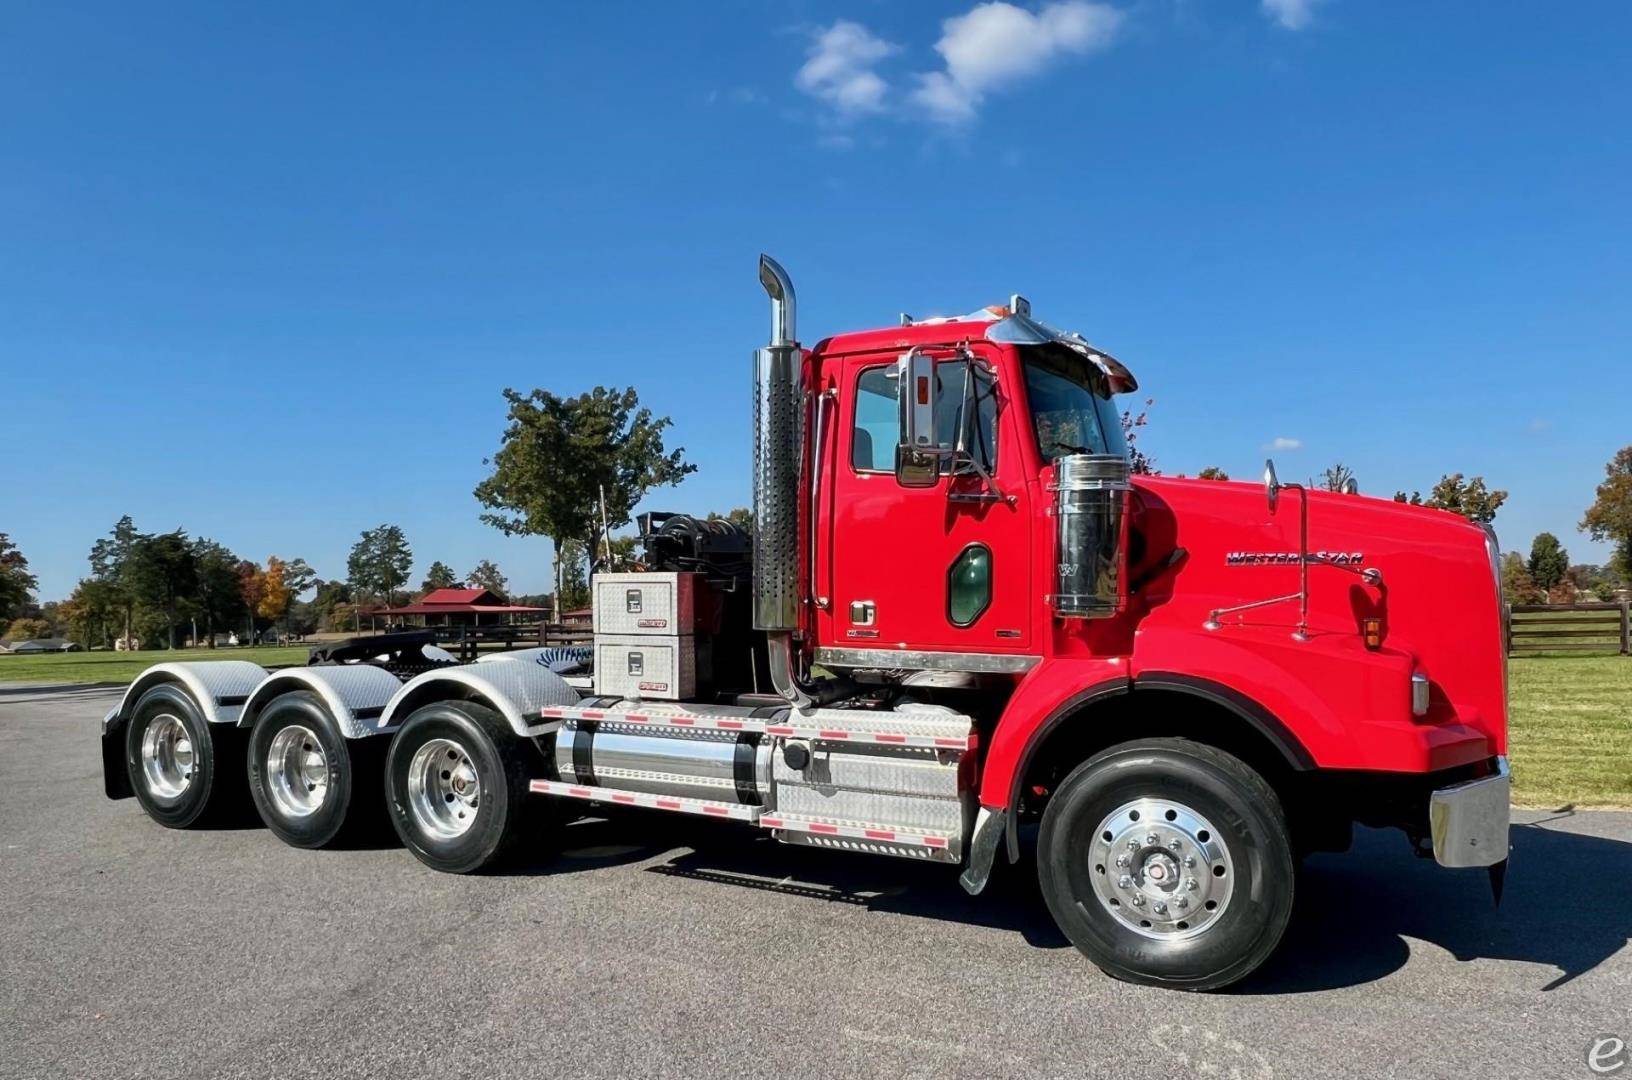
pixel 167 757
pixel 444 791
pixel 1161 869
pixel 297 772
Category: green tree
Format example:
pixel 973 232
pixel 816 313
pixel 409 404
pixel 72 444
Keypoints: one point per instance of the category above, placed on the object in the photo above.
pixel 1549 562
pixel 163 575
pixel 1470 498
pixel 110 565
pixel 1609 518
pixel 1139 462
pixel 217 598
pixel 330 595
pixel 486 575
pixel 1212 472
pixel 17 585
pixel 560 457
pixel 299 577
pixel 379 563
pixel 439 576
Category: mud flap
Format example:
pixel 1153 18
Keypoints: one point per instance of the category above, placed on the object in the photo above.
pixel 115 777
pixel 990 827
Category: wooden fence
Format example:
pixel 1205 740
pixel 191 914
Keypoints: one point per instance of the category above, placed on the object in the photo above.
pixel 1536 628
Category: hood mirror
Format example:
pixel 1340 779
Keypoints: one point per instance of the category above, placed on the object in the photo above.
pixel 1272 485
pixel 1351 486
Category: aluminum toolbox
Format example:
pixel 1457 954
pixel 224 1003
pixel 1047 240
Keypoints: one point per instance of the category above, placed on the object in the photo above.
pixel 649 666
pixel 655 603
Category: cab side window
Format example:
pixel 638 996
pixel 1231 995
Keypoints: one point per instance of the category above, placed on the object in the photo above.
pixel 877 423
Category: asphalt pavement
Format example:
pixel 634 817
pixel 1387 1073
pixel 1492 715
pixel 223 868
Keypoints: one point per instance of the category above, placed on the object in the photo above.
pixel 649 946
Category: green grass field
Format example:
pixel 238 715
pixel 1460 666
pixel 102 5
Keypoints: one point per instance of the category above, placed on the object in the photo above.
pixel 96 667
pixel 1571 724
pixel 1570 733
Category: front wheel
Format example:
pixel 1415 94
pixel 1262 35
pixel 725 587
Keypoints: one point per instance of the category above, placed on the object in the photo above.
pixel 1168 862
pixel 456 779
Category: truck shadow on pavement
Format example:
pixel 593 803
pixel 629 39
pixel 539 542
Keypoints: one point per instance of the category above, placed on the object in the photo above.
pixel 1356 919
pixel 1564 907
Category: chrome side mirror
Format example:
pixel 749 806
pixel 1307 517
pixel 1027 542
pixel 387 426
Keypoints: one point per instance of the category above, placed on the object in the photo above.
pixel 1272 484
pixel 1351 486
pixel 917 453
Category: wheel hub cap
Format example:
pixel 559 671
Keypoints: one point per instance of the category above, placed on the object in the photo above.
pixel 1161 869
pixel 444 791
pixel 297 771
pixel 167 757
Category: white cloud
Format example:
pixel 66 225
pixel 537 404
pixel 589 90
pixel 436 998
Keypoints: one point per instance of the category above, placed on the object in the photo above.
pixel 840 69
pixel 1291 14
pixel 1281 442
pixel 996 44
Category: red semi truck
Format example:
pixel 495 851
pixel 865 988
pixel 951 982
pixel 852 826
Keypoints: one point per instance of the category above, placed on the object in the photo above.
pixel 956 616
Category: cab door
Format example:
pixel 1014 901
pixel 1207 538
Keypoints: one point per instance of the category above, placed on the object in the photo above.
pixel 944 568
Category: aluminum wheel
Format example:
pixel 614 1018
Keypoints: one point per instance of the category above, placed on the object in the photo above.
pixel 297 772
pixel 167 757
pixel 1161 869
pixel 443 789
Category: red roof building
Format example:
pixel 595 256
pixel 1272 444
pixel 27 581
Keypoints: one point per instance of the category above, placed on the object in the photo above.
pixel 461 607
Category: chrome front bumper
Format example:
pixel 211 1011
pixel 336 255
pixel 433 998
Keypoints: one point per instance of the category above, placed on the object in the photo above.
pixel 1469 821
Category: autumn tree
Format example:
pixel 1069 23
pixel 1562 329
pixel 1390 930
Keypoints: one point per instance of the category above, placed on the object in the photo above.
pixel 1212 472
pixel 486 575
pixel 273 601
pixel 94 612
pixel 1517 587
pixel 1609 518
pixel 17 585
pixel 1469 498
pixel 560 457
pixel 379 562
pixel 1549 563
pixel 439 576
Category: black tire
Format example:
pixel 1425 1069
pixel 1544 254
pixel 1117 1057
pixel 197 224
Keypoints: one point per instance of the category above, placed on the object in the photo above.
pixel 1241 808
pixel 352 806
pixel 210 785
pixel 502 763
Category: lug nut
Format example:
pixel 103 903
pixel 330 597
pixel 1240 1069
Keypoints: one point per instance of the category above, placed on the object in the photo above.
pixel 1174 844
pixel 1190 883
pixel 1159 907
pixel 1138 901
pixel 1182 902
pixel 1122 860
pixel 1124 882
pixel 1189 862
pixel 1133 845
pixel 1152 840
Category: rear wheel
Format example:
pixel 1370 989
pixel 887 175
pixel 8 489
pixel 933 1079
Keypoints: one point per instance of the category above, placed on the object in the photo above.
pixel 456 778
pixel 1168 862
pixel 183 770
pixel 312 786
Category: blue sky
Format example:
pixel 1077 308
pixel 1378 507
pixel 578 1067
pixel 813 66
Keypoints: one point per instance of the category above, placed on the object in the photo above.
pixel 265 268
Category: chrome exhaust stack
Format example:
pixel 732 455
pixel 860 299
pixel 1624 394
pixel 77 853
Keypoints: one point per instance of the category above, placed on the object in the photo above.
pixel 779 439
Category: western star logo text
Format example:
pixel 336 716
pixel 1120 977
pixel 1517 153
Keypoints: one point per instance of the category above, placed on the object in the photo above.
pixel 1290 558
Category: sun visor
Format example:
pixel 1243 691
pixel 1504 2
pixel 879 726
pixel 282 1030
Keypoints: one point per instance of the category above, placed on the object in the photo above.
pixel 1024 330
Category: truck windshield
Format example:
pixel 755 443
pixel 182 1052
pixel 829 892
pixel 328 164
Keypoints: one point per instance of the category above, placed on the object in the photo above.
pixel 1071 408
